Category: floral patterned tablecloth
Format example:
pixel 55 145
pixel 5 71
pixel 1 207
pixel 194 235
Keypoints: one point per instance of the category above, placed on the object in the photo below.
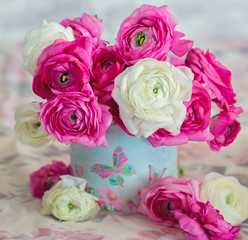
pixel 20 216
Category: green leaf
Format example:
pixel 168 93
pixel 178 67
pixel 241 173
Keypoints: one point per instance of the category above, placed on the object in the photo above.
pixel 180 170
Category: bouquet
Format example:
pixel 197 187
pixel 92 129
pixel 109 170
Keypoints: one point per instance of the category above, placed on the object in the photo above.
pixel 151 83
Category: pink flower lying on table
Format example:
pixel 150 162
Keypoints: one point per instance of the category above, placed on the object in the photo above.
pixel 176 202
pixel 163 198
pixel 44 178
pixel 204 222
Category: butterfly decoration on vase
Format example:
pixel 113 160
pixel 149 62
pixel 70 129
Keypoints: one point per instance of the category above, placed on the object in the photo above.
pixel 120 166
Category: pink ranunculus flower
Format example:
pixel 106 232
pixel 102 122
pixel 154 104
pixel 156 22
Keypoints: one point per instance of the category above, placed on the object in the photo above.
pixel 166 196
pixel 107 64
pixel 44 178
pixel 197 119
pixel 225 128
pixel 213 74
pixel 63 66
pixel 86 26
pixel 204 223
pixel 195 125
pixel 76 117
pixel 114 109
pixel 164 138
pixel 111 197
pixel 149 33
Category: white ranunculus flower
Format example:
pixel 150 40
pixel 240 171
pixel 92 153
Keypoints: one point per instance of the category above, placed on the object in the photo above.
pixel 68 201
pixel 227 195
pixel 28 126
pixel 150 96
pixel 38 39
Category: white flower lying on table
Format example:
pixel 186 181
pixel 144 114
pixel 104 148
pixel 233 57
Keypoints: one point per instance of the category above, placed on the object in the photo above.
pixel 227 195
pixel 68 201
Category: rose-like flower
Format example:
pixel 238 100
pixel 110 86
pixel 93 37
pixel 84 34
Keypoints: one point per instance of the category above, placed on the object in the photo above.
pixel 63 66
pixel 227 195
pixel 149 33
pixel 163 198
pixel 38 39
pixel 203 222
pixel 107 64
pixel 150 96
pixel 28 126
pixel 195 125
pixel 164 138
pixel 44 178
pixel 114 110
pixel 197 119
pixel 76 117
pixel 86 26
pixel 213 74
pixel 225 128
pixel 68 201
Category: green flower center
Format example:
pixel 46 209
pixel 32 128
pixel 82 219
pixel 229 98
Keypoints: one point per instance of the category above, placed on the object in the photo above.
pixel 155 90
pixel 168 207
pixel 37 125
pixel 70 206
pixel 64 78
pixel 141 38
pixel 229 199
pixel 73 117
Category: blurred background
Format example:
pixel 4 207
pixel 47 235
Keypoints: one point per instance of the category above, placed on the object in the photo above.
pixel 198 19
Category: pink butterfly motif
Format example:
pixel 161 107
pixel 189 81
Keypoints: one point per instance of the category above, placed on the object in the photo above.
pixel 120 166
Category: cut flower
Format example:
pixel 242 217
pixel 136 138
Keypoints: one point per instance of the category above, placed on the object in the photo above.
pixel 227 195
pixel 149 32
pixel 76 117
pixel 150 96
pixel 68 201
pixel 28 126
pixel 38 39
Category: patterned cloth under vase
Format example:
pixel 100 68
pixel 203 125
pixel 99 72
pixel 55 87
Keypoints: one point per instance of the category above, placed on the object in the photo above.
pixel 117 173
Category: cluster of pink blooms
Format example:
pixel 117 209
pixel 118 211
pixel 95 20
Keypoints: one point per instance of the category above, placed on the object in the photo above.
pixel 77 78
pixel 175 202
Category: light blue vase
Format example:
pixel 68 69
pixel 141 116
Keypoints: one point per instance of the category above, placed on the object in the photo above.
pixel 117 173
